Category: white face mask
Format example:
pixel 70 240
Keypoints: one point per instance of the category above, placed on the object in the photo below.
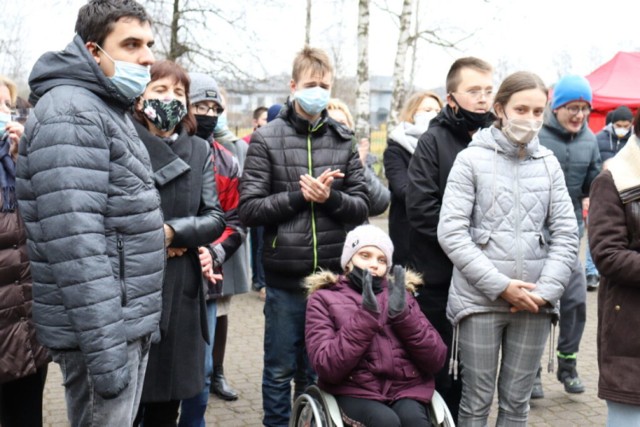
pixel 620 132
pixel 521 131
pixel 422 118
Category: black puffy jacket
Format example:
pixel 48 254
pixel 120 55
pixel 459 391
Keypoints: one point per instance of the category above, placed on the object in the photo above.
pixel 301 237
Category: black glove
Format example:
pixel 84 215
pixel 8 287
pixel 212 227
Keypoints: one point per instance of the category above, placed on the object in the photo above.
pixel 369 301
pixel 397 292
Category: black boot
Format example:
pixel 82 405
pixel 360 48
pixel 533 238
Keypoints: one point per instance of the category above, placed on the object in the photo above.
pixel 567 373
pixel 220 387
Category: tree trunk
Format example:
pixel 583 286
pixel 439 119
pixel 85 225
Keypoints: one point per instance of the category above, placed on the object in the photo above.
pixel 307 35
pixel 363 105
pixel 397 99
pixel 174 44
pixel 414 47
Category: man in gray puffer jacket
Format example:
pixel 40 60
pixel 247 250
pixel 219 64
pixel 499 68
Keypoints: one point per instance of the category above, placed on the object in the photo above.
pixel 94 225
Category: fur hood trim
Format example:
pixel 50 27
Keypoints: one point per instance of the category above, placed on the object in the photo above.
pixel 325 279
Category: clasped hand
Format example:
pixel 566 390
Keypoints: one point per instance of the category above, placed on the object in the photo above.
pixel 518 294
pixel 318 189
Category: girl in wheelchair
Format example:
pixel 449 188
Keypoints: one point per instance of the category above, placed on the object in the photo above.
pixel 367 339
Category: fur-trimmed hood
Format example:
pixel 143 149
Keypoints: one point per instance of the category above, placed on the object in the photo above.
pixel 325 279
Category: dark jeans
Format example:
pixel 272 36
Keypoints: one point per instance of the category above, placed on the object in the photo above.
pixel 21 400
pixel 158 414
pixel 85 407
pixel 402 413
pixel 284 351
pixel 257 245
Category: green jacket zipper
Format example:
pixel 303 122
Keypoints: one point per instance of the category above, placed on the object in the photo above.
pixel 313 208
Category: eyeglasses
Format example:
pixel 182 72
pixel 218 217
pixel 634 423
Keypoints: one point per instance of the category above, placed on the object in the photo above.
pixel 479 93
pixel 203 109
pixel 574 110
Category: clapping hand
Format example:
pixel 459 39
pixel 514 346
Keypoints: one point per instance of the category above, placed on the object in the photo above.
pixel 397 292
pixel 369 301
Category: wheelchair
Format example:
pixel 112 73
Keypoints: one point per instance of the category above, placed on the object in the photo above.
pixel 316 408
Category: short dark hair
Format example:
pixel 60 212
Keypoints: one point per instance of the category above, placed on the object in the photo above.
pixel 453 76
pixel 259 111
pixel 97 18
pixel 162 69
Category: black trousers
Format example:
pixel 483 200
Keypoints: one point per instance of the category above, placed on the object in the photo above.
pixel 402 413
pixel 158 414
pixel 21 400
pixel 433 303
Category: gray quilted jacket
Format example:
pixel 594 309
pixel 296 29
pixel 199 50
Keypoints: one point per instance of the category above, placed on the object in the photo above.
pixel 504 217
pixel 93 219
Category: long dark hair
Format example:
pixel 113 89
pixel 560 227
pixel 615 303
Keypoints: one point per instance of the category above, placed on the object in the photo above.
pixel 160 70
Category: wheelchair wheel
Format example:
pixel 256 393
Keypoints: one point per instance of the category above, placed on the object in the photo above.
pixel 308 412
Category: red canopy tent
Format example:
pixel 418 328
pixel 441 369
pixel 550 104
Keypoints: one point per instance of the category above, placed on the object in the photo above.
pixel 614 83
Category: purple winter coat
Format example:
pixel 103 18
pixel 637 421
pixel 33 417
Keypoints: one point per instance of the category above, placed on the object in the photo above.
pixel 365 355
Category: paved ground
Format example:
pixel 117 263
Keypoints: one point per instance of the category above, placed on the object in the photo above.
pixel 243 368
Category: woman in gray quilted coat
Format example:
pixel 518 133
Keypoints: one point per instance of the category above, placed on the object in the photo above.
pixel 507 224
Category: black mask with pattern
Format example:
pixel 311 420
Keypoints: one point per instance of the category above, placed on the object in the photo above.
pixel 164 115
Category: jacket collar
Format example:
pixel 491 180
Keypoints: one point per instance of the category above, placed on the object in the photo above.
pixel 302 125
pixel 166 164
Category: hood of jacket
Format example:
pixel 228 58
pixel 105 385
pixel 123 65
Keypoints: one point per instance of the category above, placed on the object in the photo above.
pixel 406 135
pixel 325 279
pixel 493 139
pixel 73 66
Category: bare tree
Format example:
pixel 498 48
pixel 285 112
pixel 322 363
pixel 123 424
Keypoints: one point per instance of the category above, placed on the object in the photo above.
pixel 307 33
pixel 562 63
pixel 362 111
pixel 12 45
pixel 408 38
pixel 194 33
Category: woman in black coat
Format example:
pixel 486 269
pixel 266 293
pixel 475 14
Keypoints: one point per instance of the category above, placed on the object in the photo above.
pixel 184 176
pixel 414 121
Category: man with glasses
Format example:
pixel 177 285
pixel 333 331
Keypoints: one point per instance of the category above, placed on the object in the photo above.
pixel 469 97
pixel 566 133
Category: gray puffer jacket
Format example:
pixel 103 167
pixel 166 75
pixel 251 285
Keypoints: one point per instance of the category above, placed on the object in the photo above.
pixel 92 212
pixel 505 217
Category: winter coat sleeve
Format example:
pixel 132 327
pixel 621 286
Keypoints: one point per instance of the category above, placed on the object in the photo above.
pixel 563 245
pixel 234 233
pixel 595 166
pixel 454 231
pixel 257 205
pixel 350 205
pixel 68 162
pixel 379 196
pixel 193 231
pixel 333 353
pixel 423 207
pixel 420 338
pixel 609 234
pixel 396 170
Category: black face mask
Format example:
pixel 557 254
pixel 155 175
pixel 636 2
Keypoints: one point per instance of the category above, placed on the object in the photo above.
pixel 474 121
pixel 356 276
pixel 206 125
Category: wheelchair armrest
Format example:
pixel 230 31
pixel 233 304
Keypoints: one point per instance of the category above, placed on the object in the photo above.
pixel 441 414
pixel 332 408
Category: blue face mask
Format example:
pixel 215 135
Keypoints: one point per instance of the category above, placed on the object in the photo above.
pixel 130 79
pixel 312 100
pixel 222 123
pixel 4 119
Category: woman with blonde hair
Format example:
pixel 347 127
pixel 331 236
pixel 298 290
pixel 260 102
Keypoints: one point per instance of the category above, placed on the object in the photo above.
pixel 378 194
pixel 414 121
pixel 23 361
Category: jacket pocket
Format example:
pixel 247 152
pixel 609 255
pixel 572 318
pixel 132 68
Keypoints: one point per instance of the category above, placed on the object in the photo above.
pixel 480 236
pixel 122 270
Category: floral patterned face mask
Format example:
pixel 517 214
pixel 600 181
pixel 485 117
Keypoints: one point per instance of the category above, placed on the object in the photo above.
pixel 164 114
